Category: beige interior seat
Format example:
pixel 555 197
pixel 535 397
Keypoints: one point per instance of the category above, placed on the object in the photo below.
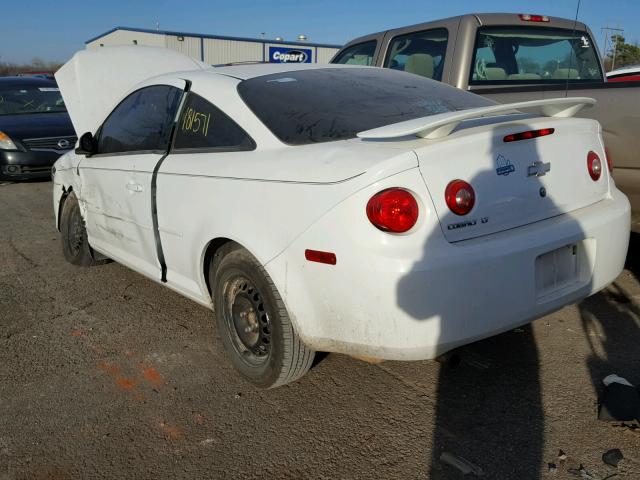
pixel 564 73
pixel 358 60
pixel 420 64
pixel 495 73
pixel 524 76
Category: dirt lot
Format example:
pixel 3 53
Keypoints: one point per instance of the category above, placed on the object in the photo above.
pixel 105 374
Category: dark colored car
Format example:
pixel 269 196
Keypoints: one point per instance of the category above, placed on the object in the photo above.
pixel 35 128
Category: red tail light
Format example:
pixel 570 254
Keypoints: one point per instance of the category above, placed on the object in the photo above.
pixel 460 197
pixel 393 210
pixel 526 17
pixel 607 155
pixel 514 137
pixel 594 165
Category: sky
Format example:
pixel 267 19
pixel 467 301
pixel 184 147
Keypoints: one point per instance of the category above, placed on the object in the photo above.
pixel 54 30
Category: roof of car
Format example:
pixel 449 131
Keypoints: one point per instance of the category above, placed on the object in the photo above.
pixel 26 81
pixel 245 72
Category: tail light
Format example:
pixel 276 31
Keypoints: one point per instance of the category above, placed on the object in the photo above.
pixel 460 197
pixel 594 165
pixel 607 155
pixel 527 17
pixel 393 210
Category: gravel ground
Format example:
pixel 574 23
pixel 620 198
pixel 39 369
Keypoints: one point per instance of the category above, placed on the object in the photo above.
pixel 105 374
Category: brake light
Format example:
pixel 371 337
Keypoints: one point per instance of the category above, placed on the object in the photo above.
pixel 527 17
pixel 393 210
pixel 543 132
pixel 460 197
pixel 607 155
pixel 594 165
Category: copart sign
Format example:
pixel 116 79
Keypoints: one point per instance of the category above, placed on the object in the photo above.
pixel 289 55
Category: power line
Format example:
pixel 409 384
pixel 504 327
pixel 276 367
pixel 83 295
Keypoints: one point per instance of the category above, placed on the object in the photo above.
pixel 607 31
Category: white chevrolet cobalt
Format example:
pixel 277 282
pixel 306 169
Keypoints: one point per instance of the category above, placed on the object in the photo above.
pixel 334 208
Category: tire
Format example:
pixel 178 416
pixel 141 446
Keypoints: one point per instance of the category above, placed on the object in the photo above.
pixel 75 245
pixel 252 321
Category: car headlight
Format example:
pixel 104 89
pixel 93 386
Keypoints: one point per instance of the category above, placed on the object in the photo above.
pixel 6 143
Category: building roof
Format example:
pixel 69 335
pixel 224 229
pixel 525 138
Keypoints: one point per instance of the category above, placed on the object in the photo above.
pixel 217 37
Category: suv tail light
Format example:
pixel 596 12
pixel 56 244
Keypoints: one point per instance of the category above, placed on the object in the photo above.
pixel 393 210
pixel 594 165
pixel 460 197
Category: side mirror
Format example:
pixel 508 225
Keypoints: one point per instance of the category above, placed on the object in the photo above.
pixel 87 145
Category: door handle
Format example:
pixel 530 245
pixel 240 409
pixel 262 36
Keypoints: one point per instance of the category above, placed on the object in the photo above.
pixel 134 187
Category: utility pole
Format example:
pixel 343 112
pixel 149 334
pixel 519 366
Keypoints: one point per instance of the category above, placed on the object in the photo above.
pixel 607 31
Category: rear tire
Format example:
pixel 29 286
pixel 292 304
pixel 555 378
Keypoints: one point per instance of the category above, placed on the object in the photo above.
pixel 75 245
pixel 253 322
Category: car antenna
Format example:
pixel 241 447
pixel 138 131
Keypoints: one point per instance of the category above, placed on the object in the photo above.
pixel 575 24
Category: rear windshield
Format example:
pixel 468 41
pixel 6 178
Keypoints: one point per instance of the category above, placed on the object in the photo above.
pixel 322 105
pixel 533 54
pixel 30 99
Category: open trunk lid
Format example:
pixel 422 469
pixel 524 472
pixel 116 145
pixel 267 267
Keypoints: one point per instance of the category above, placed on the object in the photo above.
pixel 516 183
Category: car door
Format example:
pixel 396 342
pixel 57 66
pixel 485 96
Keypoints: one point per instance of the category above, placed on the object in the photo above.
pixel 206 140
pixel 117 180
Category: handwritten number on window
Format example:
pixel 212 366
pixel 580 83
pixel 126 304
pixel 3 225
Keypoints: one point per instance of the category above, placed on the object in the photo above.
pixel 196 122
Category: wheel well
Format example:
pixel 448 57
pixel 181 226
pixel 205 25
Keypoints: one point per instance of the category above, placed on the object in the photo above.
pixel 213 247
pixel 63 198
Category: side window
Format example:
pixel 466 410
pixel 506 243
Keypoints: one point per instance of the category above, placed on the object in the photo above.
pixel 421 53
pixel 141 122
pixel 203 126
pixel 360 54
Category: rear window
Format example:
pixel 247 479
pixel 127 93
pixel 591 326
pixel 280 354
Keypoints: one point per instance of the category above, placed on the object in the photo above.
pixel 205 127
pixel 533 54
pixel 322 105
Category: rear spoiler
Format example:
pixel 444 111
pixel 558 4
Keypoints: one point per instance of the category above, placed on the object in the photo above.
pixel 442 124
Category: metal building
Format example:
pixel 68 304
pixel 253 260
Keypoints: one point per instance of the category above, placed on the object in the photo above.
pixel 217 49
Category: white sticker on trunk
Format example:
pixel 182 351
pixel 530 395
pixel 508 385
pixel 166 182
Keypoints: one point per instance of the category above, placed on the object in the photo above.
pixel 48 89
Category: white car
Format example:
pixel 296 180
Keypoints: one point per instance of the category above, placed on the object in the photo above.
pixel 334 208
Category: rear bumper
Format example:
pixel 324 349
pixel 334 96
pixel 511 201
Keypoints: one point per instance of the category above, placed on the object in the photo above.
pixel 17 165
pixel 452 293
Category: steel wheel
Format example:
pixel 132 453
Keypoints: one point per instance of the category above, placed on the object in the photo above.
pixel 252 321
pixel 247 320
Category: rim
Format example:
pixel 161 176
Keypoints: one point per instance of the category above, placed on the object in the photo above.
pixel 247 321
pixel 75 232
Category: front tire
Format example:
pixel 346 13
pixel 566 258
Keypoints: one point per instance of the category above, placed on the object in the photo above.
pixel 253 322
pixel 75 245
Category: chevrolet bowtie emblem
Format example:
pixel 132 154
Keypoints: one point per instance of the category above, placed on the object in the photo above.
pixel 538 169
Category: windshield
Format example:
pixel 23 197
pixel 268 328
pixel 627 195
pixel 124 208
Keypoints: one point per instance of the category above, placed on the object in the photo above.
pixel 322 105
pixel 30 99
pixel 533 54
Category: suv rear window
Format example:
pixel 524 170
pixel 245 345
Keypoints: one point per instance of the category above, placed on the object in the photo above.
pixel 533 54
pixel 327 104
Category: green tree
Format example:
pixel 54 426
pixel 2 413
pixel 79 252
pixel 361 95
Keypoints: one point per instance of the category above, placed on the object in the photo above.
pixel 622 53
